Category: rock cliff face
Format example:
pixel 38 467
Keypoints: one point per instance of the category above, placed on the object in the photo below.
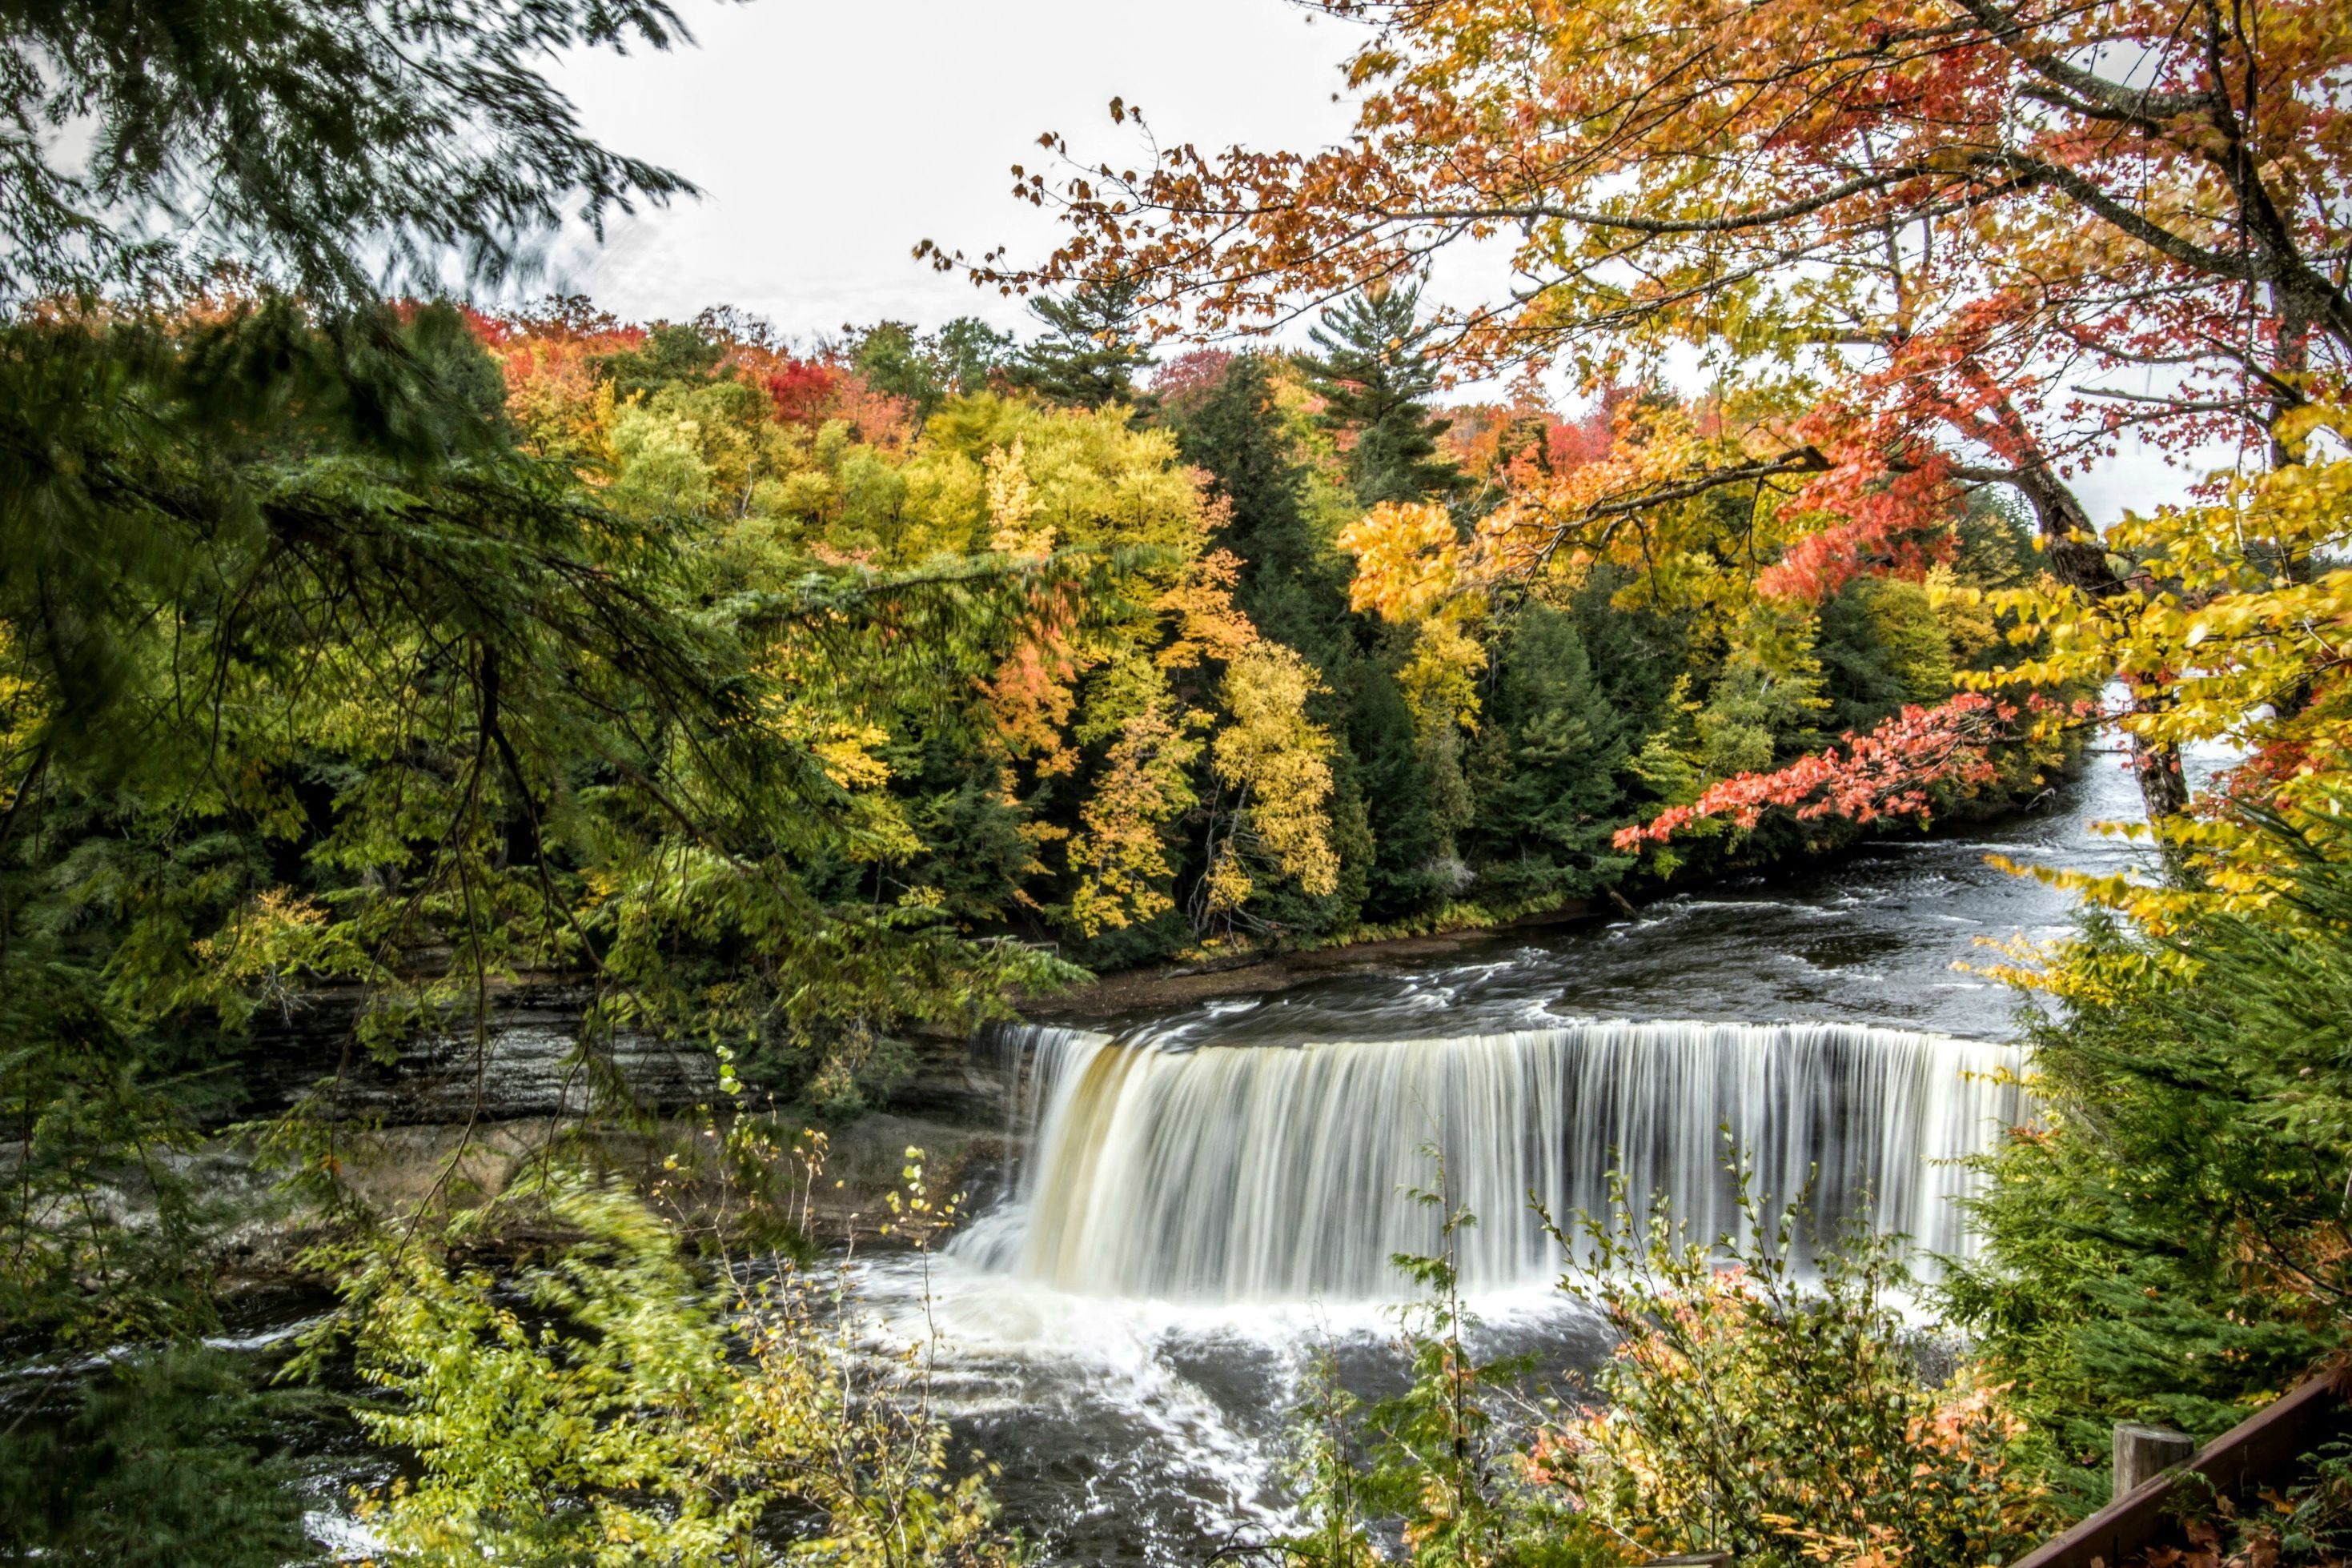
pixel 528 1064
pixel 443 1117
pixel 447 1108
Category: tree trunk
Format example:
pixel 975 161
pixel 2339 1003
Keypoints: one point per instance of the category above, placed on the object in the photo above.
pixel 2077 558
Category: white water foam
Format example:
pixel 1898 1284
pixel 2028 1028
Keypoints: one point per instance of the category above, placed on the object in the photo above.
pixel 1287 1173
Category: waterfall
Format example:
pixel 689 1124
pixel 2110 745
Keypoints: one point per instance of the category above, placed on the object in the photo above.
pixel 1283 1173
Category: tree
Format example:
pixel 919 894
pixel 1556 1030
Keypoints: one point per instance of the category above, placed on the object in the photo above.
pixel 1544 767
pixel 321 148
pixel 1292 585
pixel 1934 231
pixel 2238 637
pixel 1277 761
pixel 1374 371
pixel 1091 349
pixel 925 369
pixel 326 675
pixel 2167 1242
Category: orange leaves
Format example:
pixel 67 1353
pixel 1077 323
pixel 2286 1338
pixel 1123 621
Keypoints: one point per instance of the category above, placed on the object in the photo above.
pixel 1030 696
pixel 1895 771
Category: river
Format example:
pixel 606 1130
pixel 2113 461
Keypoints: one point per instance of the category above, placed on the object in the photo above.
pixel 1211 1195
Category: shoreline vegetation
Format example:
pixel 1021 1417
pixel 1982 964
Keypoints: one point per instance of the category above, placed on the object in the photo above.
pixel 810 699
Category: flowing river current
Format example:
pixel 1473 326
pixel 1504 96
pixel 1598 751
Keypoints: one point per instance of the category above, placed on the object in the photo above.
pixel 1204 1200
pixel 1208 1197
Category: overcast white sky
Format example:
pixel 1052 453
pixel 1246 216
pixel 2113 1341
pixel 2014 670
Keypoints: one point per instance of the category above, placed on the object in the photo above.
pixel 830 138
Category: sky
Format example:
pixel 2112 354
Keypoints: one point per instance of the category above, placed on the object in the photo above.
pixel 829 138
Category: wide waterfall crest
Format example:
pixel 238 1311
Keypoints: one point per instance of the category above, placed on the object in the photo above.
pixel 1277 1173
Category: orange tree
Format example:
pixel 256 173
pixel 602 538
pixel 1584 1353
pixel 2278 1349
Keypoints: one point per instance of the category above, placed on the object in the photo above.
pixel 1941 245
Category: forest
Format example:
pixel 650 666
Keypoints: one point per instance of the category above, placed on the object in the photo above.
pixel 374 646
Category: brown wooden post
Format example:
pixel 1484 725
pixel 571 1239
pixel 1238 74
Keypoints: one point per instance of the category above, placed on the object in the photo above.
pixel 2142 1452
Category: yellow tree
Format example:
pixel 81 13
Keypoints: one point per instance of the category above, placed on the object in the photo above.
pixel 1277 761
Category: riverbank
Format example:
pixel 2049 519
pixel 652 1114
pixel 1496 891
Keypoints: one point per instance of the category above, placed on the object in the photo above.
pixel 1121 994
pixel 1155 988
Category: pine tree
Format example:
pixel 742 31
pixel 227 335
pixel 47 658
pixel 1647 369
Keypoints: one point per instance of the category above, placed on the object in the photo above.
pixel 312 145
pixel 1373 375
pixel 2171 1242
pixel 1407 837
pixel 1544 767
pixel 1292 587
pixel 1091 350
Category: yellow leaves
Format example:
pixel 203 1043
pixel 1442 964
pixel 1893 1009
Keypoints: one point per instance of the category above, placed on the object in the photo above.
pixel 846 753
pixel 1440 681
pixel 2237 637
pixel 1121 851
pixel 2296 427
pixel 24 710
pixel 1208 625
pixel 1408 558
pixel 280 918
pixel 1013 504
pixel 1279 760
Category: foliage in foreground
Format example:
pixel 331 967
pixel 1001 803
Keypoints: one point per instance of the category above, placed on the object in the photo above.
pixel 1432 1467
pixel 615 1404
pixel 2172 1243
pixel 169 1456
pixel 1751 1405
pixel 1777 1414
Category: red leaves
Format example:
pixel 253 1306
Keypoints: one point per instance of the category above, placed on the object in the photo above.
pixel 1892 772
pixel 804 391
pixel 1189 377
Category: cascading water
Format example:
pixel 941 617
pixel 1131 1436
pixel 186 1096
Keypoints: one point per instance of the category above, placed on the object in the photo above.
pixel 1260 1173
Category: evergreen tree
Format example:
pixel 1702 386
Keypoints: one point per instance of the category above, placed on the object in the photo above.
pixel 1398 797
pixel 1544 768
pixel 2170 1243
pixel 316 145
pixel 1373 373
pixel 164 1459
pixel 1292 586
pixel 1091 350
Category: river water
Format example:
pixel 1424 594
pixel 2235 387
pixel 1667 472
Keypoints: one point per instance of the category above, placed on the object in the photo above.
pixel 1211 1195
pixel 1209 1198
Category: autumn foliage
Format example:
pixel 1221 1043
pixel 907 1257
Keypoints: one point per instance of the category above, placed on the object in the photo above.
pixel 1892 772
pixel 1924 258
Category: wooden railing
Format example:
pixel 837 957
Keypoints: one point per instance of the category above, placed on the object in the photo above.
pixel 2265 1448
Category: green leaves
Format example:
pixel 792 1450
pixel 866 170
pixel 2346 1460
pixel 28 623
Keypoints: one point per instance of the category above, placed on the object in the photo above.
pixel 2169 1246
pixel 609 1405
pixel 320 147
